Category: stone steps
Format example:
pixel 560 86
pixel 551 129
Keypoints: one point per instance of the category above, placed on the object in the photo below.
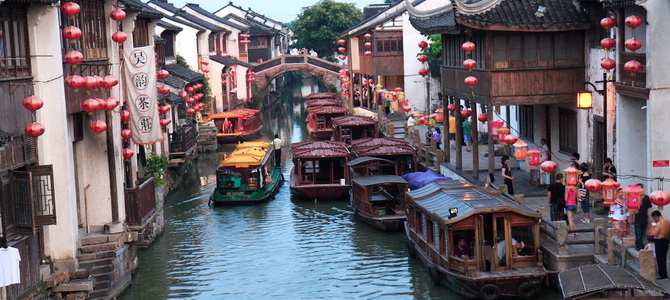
pixel 98 254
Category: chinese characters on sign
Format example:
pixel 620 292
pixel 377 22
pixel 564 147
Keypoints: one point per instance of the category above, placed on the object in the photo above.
pixel 141 94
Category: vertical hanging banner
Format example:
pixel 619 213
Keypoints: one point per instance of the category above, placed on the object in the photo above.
pixel 141 94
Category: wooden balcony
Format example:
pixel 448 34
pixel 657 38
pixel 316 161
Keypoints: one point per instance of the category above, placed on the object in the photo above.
pixel 184 139
pixel 140 202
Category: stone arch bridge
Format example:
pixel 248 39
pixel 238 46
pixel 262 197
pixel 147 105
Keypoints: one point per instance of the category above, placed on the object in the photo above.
pixel 327 72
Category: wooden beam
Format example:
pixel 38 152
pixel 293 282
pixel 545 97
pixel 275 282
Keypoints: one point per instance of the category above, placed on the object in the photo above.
pixel 475 142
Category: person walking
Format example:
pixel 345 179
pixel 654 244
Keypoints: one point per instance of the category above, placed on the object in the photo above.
pixel 437 136
pixel 277 143
pixel 609 171
pixel 544 150
pixel 507 174
pixel 467 134
pixel 584 195
pixel 429 135
pixel 555 194
pixel 571 208
pixel 618 214
pixel 641 220
pixel 660 233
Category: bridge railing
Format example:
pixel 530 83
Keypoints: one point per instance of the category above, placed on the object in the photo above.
pixel 297 59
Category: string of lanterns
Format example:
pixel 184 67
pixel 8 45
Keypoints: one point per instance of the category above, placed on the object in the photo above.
pixel 423 58
pixel 368 44
pixel 244 38
pixel 342 49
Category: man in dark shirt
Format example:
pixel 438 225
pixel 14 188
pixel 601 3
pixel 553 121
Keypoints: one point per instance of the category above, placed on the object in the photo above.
pixel 609 170
pixel 641 220
pixel 460 249
pixel 556 195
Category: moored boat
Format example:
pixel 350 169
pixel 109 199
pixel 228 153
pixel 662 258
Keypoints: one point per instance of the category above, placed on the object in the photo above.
pixel 349 128
pixel 394 149
pixel 319 121
pixel 248 175
pixel 237 125
pixel 320 170
pixel 475 241
pixel 322 96
pixel 322 102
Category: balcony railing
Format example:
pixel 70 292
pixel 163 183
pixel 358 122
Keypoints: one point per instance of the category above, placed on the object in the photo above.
pixel 140 202
pixel 183 139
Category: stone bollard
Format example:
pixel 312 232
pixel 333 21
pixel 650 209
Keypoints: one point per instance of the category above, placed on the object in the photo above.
pixel 520 198
pixel 561 232
pixel 648 265
pixel 439 158
pixel 627 242
pixel 597 236
pixel 611 245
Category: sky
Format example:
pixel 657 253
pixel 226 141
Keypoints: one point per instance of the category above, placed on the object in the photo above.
pixel 284 11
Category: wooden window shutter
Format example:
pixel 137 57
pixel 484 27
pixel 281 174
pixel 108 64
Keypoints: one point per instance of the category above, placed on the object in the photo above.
pixel 44 202
pixel 22 196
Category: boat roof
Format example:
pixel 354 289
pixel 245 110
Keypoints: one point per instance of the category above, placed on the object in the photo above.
pixel 321 95
pixel 320 149
pixel 237 113
pixel 377 179
pixel 247 154
pixel 438 197
pixel 385 150
pixel 322 102
pixel 354 121
pixel 589 279
pixel 324 110
pixel 385 141
pixel 366 159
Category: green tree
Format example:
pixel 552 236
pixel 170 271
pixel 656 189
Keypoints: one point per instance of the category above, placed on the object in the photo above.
pixel 434 53
pixel 319 26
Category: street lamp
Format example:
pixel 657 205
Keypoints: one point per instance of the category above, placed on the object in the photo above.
pixel 584 100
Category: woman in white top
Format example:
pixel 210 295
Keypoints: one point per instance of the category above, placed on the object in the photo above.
pixel 618 214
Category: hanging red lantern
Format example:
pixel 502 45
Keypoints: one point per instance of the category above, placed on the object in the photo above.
pixel 371 81
pixel 660 198
pixel 125 116
pixel 341 42
pixel 608 23
pixel 224 82
pixel 126 134
pixel 74 57
pixel 162 74
pixel 34 129
pixel 610 191
pixel 368 45
pixel 469 64
pixel 165 122
pixel 633 21
pixel 161 110
pixel 342 57
pixel 74 81
pixel 608 64
pixel 633 44
pixel 89 82
pixel 71 33
pixel 468 47
pixel 70 8
pixel 89 105
pixel 164 90
pixel 423 72
pixel 466 113
pixel 406 108
pixel 571 177
pixel 204 63
pixel 196 107
pixel 423 44
pixel 190 100
pixel 494 126
pixel 422 58
pixel 608 43
pixel 470 81
pixel 109 81
pixel 33 103
pixel 482 118
pixel 207 77
pixel 167 107
pixel 117 15
pixel 633 194
pixel 189 89
pixel 128 153
pixel 533 158
pixel 451 107
pixel 367 36
pixel 520 150
pixel 502 133
pixel 183 94
pixel 119 37
pixel 111 103
pixel 632 66
pixel 98 81
pixel 510 139
pixel 98 126
pixel 245 42
pixel 593 185
pixel 101 103
pixel 342 49
pixel 190 111
pixel 368 53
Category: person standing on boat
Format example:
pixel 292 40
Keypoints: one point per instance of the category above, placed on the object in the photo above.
pixel 227 126
pixel 277 143
pixel 516 246
pixel 660 232
pixel 507 174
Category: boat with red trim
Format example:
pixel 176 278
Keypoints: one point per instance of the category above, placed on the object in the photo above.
pixel 237 125
pixel 320 170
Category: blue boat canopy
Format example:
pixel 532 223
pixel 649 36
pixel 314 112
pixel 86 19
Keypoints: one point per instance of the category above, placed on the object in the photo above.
pixel 418 180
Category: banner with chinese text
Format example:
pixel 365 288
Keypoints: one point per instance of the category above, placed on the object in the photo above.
pixel 141 94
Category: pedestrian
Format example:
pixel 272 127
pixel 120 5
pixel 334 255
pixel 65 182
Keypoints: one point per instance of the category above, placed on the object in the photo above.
pixel 410 122
pixel 507 174
pixel 544 150
pixel 467 134
pixel 387 106
pixel 437 136
pixel 641 220
pixel 429 136
pixel 660 233
pixel 571 208
pixel 555 194
pixel 584 195
pixel 575 159
pixel 618 214
pixel 609 171
pixel 277 143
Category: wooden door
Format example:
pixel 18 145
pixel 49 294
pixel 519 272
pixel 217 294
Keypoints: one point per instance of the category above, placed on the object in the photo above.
pixel 480 243
pixel 502 237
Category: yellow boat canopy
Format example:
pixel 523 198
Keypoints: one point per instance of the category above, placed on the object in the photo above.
pixel 247 154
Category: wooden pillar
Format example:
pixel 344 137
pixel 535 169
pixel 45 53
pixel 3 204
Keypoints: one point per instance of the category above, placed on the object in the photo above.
pixel 459 134
pixel 491 148
pixel 475 142
pixel 445 132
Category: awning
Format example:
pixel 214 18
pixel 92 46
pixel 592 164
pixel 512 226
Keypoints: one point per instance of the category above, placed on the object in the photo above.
pixel 590 279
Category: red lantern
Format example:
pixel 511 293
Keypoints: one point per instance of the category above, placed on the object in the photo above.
pixel 422 58
pixel 190 100
pixel 608 23
pixel 196 107
pixel 189 89
pixel 520 150
pixel 342 49
pixel 371 81
pixel 571 177
pixel 70 8
pixel 494 126
pixel 406 108
pixel 341 42
pixel 33 103
pixel 470 81
pixel 205 63
pixel 634 194
pixel 162 74
pixel 72 33
pixel 117 15
pixel 608 43
pixel 533 158
pixel 632 66
pixel 368 45
pixel 608 64
pixel 98 81
pixel 164 90
pixel 423 44
pixel 510 139
pixel 633 44
pixel 482 118
pixel 633 21
pixel 165 122
pixel 89 105
pixel 451 107
pixel 190 111
pixel 469 64
pixel 660 198
pixel 466 113
pixel 548 166
pixel 183 94
pixel 167 107
pixel 126 134
pixel 101 103
pixel 342 57
pixel 423 72
pixel 119 37
pixel 367 36
pixel 34 129
pixel 128 153
pixel 502 133
pixel 74 57
pixel 610 191
pixel 111 103
pixel 468 46
pixel 368 53
pixel 109 81
pixel 245 42
pixel 593 185
pixel 74 81
pixel 98 126
pixel 125 116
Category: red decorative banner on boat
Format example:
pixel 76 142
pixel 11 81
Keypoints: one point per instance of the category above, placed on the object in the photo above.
pixel 141 94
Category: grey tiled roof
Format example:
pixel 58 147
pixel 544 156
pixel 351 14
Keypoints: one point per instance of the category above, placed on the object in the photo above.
pixel 176 81
pixel 143 9
pixel 443 23
pixel 255 28
pixel 169 26
pixel 212 16
pixel 33 1
pixel 618 3
pixel 229 60
pixel 522 13
pixel 186 16
pixel 172 98
pixel 183 73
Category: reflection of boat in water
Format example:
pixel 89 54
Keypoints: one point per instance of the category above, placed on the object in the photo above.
pixel 248 175
pixel 376 198
pixel 242 125
pixel 320 170
pixel 319 121
pixel 462 234
pixel 347 128
pixel 394 149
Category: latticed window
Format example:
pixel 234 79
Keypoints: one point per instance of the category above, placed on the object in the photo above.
pixel 567 130
pixel 91 20
pixel 169 42
pixel 141 33
pixel 14 51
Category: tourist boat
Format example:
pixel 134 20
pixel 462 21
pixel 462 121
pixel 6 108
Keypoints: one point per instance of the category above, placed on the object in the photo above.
pixel 349 128
pixel 319 124
pixel 322 96
pixel 245 124
pixel 611 282
pixel 320 170
pixel 394 149
pixel 377 198
pixel 444 212
pixel 322 102
pixel 247 175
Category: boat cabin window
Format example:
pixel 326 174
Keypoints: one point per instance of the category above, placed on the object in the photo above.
pixel 463 243
pixel 430 231
pixel 229 180
pixel 525 234
pixel 322 171
pixel 230 126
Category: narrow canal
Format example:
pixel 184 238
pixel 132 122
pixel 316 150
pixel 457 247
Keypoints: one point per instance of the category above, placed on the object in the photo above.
pixel 287 248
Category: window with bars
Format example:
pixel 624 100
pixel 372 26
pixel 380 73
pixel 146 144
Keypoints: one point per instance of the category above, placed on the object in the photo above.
pixel 91 20
pixel 258 43
pixel 141 33
pixel 389 47
pixel 14 50
pixel 169 42
pixel 526 121
pixel 567 130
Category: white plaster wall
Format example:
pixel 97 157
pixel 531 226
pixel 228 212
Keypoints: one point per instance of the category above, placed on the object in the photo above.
pixel 632 131
pixel 354 55
pixel 415 84
pixel 215 85
pixel 241 80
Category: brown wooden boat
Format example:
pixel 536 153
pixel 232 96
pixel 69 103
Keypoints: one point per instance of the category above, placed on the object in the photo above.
pixel 377 199
pixel 320 170
pixel 349 128
pixel 244 124
pixel 443 213
pixel 394 149
pixel 321 96
pixel 319 121
pixel 322 102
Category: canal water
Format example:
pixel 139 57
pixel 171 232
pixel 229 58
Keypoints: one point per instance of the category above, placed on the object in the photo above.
pixel 287 248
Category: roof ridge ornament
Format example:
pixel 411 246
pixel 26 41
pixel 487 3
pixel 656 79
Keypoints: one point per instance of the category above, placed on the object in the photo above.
pixel 468 7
